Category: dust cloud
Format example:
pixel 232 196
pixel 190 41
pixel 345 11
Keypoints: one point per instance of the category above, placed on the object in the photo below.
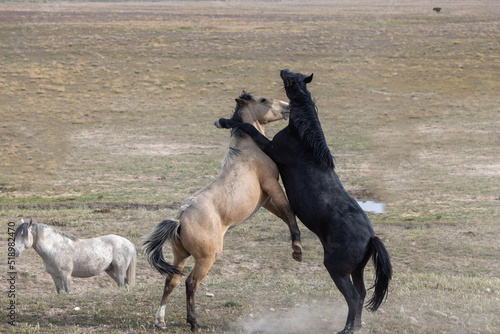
pixel 316 317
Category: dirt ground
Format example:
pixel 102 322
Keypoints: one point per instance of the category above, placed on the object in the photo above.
pixel 106 126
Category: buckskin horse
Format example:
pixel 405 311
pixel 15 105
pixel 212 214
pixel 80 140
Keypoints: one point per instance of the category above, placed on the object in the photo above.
pixel 320 201
pixel 247 181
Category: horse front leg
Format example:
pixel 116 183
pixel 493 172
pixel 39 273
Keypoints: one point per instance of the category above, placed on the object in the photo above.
pixel 66 281
pixel 58 283
pixel 279 206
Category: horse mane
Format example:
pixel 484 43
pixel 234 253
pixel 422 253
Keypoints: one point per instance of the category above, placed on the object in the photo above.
pixel 233 152
pixel 304 115
pixel 64 234
pixel 237 132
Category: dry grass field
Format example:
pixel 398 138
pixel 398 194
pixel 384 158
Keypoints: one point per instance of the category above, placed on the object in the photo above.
pixel 106 126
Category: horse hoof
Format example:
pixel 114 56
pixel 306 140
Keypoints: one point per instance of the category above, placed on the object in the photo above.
pixel 297 256
pixel 195 328
pixel 217 124
pixel 297 246
pixel 297 251
pixel 161 327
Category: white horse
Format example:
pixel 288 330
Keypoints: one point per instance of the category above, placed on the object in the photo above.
pixel 65 255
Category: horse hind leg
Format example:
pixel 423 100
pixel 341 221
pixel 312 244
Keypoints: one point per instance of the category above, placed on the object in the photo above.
pixel 351 295
pixel 180 259
pixel 200 270
pixel 117 273
pixel 130 271
pixel 352 298
pixel 359 284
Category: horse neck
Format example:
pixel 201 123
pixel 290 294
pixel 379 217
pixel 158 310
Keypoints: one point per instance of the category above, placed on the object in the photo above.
pixel 303 111
pixel 304 118
pixel 45 239
pixel 251 117
pixel 237 141
pixel 302 101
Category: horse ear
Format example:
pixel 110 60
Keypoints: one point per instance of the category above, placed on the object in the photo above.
pixel 31 222
pixel 22 221
pixel 309 78
pixel 241 102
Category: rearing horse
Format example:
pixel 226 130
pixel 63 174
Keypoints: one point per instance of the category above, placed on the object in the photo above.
pixel 247 181
pixel 321 202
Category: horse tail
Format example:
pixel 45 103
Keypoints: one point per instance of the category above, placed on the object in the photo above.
pixel 153 243
pixel 131 270
pixel 383 272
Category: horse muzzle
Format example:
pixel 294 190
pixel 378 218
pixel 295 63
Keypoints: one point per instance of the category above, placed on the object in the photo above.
pixel 286 113
pixel 17 252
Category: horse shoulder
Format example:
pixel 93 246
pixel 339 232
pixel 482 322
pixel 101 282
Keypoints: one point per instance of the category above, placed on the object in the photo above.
pixel 58 260
pixel 251 155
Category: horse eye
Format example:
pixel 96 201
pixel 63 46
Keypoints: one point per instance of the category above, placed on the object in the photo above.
pixel 263 101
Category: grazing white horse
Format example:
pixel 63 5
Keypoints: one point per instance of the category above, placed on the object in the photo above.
pixel 65 255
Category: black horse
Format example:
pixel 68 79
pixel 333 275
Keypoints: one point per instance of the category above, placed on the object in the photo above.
pixel 321 202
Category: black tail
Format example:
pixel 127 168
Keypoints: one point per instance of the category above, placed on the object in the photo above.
pixel 383 272
pixel 153 243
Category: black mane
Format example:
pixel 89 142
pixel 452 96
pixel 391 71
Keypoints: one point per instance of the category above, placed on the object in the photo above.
pixel 237 113
pixel 304 116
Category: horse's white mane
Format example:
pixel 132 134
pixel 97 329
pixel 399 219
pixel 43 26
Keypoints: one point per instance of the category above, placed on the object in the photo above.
pixel 52 228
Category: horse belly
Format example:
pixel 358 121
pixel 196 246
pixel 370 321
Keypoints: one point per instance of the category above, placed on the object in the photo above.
pixel 234 197
pixel 91 260
pixel 246 201
pixel 321 202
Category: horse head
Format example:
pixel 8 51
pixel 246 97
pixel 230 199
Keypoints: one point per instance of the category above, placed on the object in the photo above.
pixel 295 83
pixel 23 237
pixel 258 110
